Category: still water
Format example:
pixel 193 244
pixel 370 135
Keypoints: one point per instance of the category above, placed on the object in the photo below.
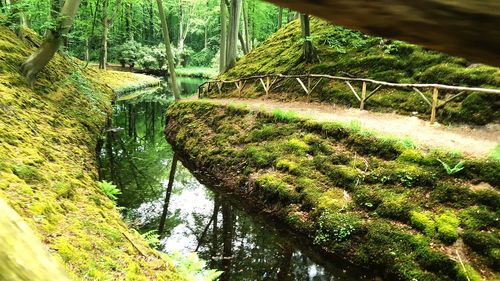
pixel 137 158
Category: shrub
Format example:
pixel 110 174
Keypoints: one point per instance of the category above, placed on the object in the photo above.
pixel 109 189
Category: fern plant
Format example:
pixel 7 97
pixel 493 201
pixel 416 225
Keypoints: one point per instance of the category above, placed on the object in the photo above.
pixel 457 168
pixel 109 189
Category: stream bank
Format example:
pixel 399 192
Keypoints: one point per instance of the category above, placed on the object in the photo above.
pixel 379 203
pixel 48 135
pixel 203 218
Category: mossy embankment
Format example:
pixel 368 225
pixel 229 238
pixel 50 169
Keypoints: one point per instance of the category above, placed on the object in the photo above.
pixel 48 135
pixel 376 202
pixel 342 52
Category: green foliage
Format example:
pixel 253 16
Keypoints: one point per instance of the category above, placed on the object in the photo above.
pixel 109 189
pixel 152 238
pixel 193 268
pixel 495 153
pixel 336 227
pixel 284 116
pixel 423 222
pixel 457 168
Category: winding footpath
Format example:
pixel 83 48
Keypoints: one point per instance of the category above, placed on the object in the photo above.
pixel 472 141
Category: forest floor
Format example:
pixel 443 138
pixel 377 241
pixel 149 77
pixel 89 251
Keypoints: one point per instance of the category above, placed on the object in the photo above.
pixel 472 141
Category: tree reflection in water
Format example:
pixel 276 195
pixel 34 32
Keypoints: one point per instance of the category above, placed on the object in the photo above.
pixel 138 158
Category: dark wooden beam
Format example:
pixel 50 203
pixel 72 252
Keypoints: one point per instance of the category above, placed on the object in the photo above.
pixel 468 29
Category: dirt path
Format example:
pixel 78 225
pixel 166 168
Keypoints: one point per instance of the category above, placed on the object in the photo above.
pixel 477 142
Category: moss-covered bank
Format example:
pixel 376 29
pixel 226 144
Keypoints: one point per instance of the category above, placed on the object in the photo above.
pixel 377 202
pixel 48 135
pixel 343 52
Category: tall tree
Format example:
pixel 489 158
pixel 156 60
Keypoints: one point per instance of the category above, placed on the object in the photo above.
pixel 232 38
pixel 168 49
pixel 223 36
pixel 107 23
pixel 53 40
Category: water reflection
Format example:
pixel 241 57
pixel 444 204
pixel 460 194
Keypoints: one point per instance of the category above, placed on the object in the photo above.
pixel 138 159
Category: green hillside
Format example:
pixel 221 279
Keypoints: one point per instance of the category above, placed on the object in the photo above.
pixel 343 52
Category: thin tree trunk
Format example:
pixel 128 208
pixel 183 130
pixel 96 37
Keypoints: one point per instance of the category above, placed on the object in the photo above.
pixel 103 58
pixel 309 55
pixel 180 43
pixel 223 37
pixel 128 22
pixel 170 56
pixel 285 264
pixel 227 236
pixel 171 179
pixel 234 24
pixel 215 230
pixel 280 17
pixel 242 43
pixel 53 40
pixel 245 25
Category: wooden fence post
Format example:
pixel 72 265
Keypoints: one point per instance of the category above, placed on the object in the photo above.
pixel 435 94
pixel 363 97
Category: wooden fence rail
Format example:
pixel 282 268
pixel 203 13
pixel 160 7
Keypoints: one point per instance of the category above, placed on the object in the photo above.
pixel 308 84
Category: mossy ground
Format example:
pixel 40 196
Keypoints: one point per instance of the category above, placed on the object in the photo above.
pixel 378 202
pixel 48 135
pixel 346 53
pixel 126 82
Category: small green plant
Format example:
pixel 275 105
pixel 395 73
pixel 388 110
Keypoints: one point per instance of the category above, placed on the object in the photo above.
pixel 284 116
pixel 152 238
pixel 109 189
pixel 495 153
pixel 457 168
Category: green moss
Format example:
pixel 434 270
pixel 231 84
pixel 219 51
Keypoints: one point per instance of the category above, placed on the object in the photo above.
pixel 484 243
pixel 303 177
pixel 259 156
pixel 336 227
pixel 467 273
pixel 288 166
pixel 64 190
pixel 28 173
pixel 276 188
pixel 296 146
pixel 423 222
pixel 447 224
pixel 478 218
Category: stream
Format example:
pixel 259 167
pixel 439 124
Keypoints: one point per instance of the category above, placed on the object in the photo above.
pixel 137 158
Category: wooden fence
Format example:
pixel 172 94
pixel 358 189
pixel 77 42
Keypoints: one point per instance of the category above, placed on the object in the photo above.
pixel 310 82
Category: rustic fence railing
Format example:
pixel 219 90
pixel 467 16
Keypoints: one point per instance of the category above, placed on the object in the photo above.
pixel 309 82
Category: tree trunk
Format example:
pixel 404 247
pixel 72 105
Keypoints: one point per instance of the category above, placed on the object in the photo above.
pixel 285 264
pixel 245 25
pixel 180 43
pixel 23 256
pixel 128 22
pixel 242 43
pixel 234 24
pixel 309 55
pixel 168 49
pixel 223 37
pixel 171 179
pixel 215 229
pixel 227 236
pixel 53 40
pixel 103 58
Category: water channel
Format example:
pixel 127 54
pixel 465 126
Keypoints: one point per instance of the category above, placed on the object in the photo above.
pixel 138 160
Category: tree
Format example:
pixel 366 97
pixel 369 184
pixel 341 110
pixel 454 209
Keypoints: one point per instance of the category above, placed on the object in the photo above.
pixel 53 40
pixel 223 36
pixel 309 54
pixel 168 50
pixel 232 38
pixel 107 23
